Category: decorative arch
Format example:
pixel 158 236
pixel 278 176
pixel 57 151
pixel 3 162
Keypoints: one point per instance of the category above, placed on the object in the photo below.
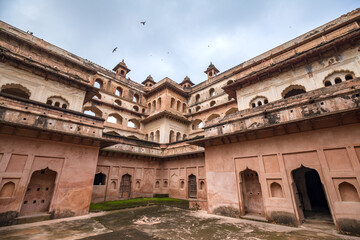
pixel 7 190
pixel 117 102
pixel 293 90
pixel 213 116
pixel 197 98
pixel 178 105
pixel 231 111
pixel 58 101
pixel 119 91
pixel 135 108
pixel 98 83
pixel 171 136
pixel 93 111
pixel 348 192
pixel 198 108
pixel 172 103
pixel 114 118
pixel 133 123
pixel 178 136
pixel 157 136
pixel 184 107
pixel 229 82
pixel 211 92
pixel 136 98
pixel 197 124
pixel 213 103
pixel 258 101
pixel 159 103
pixel 16 90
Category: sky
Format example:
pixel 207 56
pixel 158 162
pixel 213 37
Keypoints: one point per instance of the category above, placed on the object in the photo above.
pixel 180 38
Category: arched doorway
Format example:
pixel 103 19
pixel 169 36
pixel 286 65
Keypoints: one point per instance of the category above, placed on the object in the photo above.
pixel 125 186
pixel 310 195
pixel 251 191
pixel 192 186
pixel 39 192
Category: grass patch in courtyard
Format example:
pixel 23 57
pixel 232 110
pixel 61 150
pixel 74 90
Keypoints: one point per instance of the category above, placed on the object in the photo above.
pixel 138 202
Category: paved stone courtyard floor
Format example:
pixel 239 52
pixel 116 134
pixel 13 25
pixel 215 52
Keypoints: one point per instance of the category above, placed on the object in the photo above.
pixel 161 222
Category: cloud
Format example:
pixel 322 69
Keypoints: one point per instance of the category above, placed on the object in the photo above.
pixel 179 38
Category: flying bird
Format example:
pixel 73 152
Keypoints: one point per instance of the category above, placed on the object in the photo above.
pixel 114 50
pixel 143 23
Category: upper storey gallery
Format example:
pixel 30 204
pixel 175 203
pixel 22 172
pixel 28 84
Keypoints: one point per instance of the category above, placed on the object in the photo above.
pixel 313 60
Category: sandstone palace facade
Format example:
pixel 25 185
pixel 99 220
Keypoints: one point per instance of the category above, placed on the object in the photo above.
pixel 276 137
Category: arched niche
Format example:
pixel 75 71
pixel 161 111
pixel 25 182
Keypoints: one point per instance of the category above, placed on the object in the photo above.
pixel 348 192
pixel 7 190
pixel 276 190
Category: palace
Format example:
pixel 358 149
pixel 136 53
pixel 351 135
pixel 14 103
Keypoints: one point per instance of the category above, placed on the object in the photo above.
pixel 276 137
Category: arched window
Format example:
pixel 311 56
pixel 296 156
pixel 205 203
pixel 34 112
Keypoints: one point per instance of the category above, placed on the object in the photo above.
pixel 7 190
pixel 327 83
pixel 229 82
pixel 197 98
pixel 212 103
pixel 178 105
pixel 157 136
pixel 293 90
pixel 136 98
pixel 171 136
pixel 16 90
pixel 213 116
pixel 149 107
pixel 258 101
pixel 100 179
pixel 159 103
pixel 337 80
pixel 348 77
pixel 154 105
pixel 58 101
pixel 165 184
pixel 117 102
pixel 157 184
pixel 133 123
pixel 118 91
pixel 184 137
pixel 135 108
pixel 212 92
pixel 197 124
pixel 348 192
pixel 197 109
pixel 98 83
pixel 93 111
pixel 152 136
pixel 178 136
pixel 190 111
pixel 184 108
pixel 172 103
pixel 114 118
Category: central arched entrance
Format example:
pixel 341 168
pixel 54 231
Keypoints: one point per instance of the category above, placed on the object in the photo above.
pixel 39 192
pixel 251 191
pixel 125 186
pixel 310 196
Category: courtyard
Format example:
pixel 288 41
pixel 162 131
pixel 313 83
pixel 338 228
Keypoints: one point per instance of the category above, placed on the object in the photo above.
pixel 162 222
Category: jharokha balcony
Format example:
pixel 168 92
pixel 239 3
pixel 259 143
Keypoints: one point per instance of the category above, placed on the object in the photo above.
pixel 34 119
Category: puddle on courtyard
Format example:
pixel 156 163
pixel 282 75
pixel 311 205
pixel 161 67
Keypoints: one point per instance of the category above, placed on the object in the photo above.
pixel 161 222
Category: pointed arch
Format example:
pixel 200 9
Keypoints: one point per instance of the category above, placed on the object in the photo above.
pixel 213 116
